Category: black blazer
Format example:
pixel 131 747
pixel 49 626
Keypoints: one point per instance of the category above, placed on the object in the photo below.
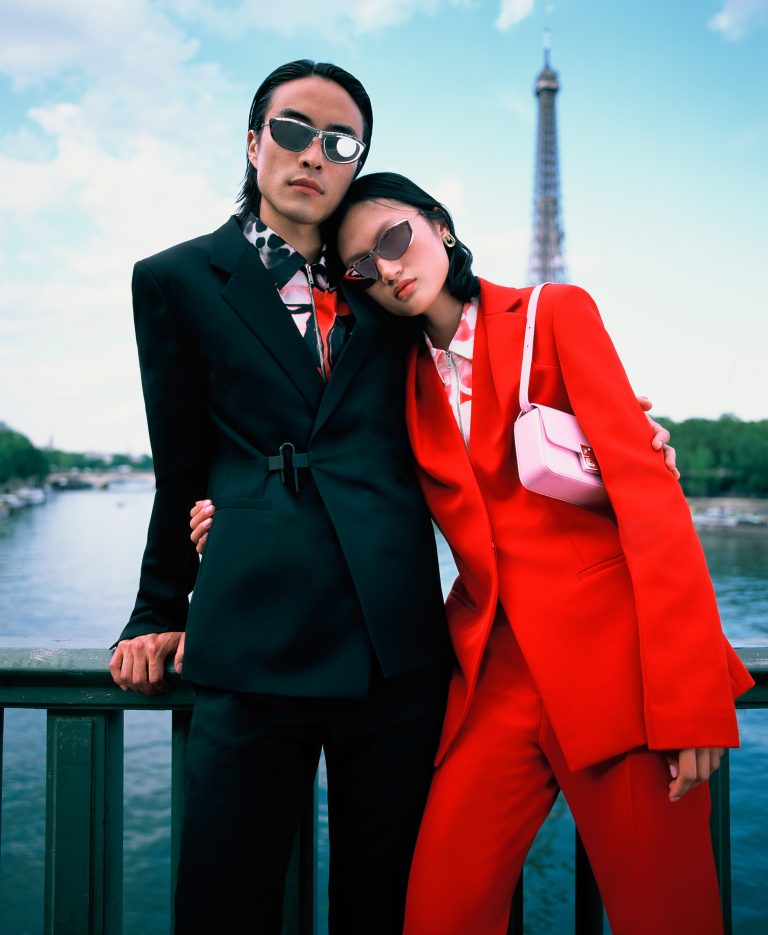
pixel 295 590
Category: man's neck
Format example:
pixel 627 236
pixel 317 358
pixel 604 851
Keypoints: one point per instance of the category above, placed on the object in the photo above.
pixel 305 238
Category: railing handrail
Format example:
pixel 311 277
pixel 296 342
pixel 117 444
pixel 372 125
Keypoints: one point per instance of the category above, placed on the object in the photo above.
pixel 60 674
pixel 20 654
pixel 28 662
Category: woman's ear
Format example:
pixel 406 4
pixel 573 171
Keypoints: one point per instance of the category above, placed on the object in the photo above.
pixel 438 221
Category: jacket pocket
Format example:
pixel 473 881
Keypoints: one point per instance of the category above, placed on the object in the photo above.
pixel 601 566
pixel 241 503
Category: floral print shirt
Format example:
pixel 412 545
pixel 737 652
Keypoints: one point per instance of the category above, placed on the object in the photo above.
pixel 455 368
pixel 323 318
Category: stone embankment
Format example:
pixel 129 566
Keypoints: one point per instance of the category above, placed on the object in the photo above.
pixel 729 511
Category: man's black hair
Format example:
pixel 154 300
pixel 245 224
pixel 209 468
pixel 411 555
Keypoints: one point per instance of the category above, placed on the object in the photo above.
pixel 249 197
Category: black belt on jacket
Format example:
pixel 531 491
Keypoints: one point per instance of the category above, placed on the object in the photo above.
pixel 288 462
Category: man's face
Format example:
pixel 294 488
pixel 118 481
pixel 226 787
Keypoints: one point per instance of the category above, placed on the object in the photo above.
pixel 305 187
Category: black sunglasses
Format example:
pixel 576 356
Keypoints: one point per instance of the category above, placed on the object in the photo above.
pixel 297 136
pixel 390 246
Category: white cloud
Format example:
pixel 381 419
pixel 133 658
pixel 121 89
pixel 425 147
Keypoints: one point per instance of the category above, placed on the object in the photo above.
pixel 110 164
pixel 512 12
pixel 336 19
pixel 738 17
pixel 43 39
pixel 68 297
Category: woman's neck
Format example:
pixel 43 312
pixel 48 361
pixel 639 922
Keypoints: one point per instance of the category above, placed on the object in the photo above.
pixel 442 319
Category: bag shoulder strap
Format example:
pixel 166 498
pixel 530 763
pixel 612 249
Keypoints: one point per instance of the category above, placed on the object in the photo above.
pixel 530 327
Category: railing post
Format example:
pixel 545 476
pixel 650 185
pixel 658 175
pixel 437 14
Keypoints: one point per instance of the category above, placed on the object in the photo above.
pixel 2 728
pixel 301 884
pixel 589 905
pixel 720 829
pixel 180 721
pixel 516 913
pixel 84 823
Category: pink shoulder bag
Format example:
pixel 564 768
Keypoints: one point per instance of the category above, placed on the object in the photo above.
pixel 554 457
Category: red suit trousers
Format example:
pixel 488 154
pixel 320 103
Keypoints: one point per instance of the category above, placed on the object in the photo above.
pixel 652 858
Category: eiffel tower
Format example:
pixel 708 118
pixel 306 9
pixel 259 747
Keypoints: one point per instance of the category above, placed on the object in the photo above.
pixel 546 262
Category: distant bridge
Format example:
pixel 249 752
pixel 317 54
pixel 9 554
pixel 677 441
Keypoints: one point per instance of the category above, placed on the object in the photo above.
pixel 100 480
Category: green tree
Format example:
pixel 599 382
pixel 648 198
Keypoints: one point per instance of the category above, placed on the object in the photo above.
pixel 19 459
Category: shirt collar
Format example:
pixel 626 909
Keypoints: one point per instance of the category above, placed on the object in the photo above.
pixel 281 259
pixel 463 342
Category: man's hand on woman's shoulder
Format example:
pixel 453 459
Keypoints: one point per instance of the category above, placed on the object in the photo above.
pixel 661 438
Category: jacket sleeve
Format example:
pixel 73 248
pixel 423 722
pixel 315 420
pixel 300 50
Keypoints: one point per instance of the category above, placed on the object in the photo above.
pixel 178 430
pixel 690 672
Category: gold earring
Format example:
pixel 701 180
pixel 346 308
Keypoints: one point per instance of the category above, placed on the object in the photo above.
pixel 448 239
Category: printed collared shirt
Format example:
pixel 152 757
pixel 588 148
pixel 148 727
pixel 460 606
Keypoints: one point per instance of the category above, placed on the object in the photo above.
pixel 324 324
pixel 455 368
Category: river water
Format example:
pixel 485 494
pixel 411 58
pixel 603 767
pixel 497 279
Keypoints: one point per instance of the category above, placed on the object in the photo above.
pixel 69 569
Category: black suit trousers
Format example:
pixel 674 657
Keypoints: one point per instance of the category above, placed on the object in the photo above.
pixel 251 762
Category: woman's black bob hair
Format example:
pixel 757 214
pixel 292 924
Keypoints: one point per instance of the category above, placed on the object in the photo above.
pixel 461 281
pixel 249 198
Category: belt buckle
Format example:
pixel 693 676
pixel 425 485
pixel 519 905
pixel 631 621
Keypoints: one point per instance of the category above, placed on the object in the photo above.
pixel 286 451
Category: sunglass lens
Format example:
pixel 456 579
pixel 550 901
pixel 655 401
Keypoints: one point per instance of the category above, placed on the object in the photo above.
pixel 366 268
pixel 358 275
pixel 395 241
pixel 290 135
pixel 341 148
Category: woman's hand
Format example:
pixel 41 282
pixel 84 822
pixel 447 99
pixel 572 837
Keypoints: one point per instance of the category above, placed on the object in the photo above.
pixel 202 517
pixel 661 438
pixel 690 767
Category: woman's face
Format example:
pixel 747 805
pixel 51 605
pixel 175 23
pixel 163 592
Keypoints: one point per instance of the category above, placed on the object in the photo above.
pixel 411 284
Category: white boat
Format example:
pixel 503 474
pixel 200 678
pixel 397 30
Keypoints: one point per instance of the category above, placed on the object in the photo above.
pixel 715 516
pixel 33 496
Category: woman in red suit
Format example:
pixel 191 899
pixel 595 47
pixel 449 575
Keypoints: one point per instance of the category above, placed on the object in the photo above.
pixel 590 653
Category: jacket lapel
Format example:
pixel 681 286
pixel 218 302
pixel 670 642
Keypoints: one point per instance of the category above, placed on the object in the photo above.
pixel 435 436
pixel 501 351
pixel 250 292
pixel 456 502
pixel 367 324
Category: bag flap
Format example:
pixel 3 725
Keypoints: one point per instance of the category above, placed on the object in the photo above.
pixel 562 429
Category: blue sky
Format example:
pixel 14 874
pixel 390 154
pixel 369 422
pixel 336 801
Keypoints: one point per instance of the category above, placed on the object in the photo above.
pixel 122 131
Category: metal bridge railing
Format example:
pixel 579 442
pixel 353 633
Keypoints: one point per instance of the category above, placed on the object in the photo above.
pixel 84 792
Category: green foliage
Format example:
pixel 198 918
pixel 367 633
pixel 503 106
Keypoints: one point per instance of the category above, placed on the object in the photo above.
pixel 21 461
pixel 73 460
pixel 719 457
pixel 19 458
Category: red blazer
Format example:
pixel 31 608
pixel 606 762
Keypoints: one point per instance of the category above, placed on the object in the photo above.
pixel 613 609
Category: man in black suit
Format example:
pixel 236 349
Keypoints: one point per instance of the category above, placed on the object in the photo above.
pixel 317 618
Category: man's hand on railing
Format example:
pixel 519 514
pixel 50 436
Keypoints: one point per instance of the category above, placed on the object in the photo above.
pixel 202 517
pixel 690 767
pixel 139 663
pixel 660 438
